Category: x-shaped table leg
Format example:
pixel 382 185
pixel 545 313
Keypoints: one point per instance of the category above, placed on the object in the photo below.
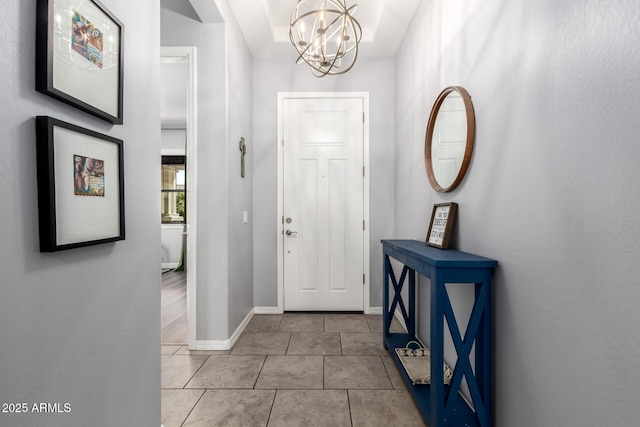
pixel 463 349
pixel 397 288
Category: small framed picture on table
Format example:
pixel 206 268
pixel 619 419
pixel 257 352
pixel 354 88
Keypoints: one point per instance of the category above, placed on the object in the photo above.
pixel 441 225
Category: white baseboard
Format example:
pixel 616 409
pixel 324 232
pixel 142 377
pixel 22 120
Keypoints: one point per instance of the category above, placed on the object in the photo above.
pixel 213 345
pixel 225 344
pixel 375 310
pixel 266 310
pixel 164 265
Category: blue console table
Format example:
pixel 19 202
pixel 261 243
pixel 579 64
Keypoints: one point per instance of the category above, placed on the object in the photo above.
pixel 442 405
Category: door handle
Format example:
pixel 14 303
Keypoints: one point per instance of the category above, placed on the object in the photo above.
pixel 289 232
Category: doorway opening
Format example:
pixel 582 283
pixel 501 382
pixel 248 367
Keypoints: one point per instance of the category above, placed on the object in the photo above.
pixel 179 202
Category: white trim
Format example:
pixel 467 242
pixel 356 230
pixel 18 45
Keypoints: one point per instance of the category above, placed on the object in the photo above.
pixel 375 310
pixel 280 209
pixel 172 226
pixel 187 54
pixel 367 202
pixel 168 265
pixel 267 310
pixel 209 345
pixel 172 152
pixel 225 344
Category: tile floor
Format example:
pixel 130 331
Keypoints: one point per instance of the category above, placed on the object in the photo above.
pixel 289 370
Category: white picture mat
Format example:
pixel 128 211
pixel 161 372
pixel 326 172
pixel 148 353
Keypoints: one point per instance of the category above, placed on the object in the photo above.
pixel 85 218
pixel 77 76
pixel 440 218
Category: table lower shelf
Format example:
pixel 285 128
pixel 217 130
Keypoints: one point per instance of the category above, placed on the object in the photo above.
pixel 461 414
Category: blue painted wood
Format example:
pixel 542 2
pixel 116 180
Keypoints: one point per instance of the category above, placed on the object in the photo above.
pixel 442 405
pixel 397 288
pixel 386 321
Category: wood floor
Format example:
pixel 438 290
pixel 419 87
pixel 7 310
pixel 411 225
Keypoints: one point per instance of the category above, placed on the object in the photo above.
pixel 174 308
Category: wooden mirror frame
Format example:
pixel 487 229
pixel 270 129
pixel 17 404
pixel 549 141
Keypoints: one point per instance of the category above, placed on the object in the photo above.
pixel 471 132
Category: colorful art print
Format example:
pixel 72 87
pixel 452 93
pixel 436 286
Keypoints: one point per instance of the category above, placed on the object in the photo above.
pixel 88 176
pixel 80 56
pixel 67 220
pixel 86 39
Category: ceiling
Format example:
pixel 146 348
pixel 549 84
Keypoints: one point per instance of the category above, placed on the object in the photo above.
pixel 265 24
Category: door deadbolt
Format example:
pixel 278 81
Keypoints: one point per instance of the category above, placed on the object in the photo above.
pixel 288 220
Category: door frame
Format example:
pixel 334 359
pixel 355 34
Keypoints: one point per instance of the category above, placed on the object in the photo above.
pixel 280 198
pixel 187 54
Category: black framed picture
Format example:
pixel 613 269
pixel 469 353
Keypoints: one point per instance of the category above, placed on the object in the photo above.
pixel 80 186
pixel 441 224
pixel 79 56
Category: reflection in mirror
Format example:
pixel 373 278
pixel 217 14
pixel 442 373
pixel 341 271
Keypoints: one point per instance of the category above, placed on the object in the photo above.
pixel 449 139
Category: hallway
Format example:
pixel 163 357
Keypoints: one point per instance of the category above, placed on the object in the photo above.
pixel 174 308
pixel 295 369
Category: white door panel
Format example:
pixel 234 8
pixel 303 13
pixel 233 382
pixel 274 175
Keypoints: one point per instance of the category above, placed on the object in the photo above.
pixel 323 204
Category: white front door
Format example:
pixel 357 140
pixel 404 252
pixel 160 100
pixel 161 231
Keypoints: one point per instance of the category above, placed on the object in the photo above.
pixel 323 204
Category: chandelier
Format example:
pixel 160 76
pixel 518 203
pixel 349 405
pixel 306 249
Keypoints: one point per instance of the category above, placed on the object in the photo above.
pixel 326 35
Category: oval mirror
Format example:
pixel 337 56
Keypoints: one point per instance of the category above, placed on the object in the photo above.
pixel 449 141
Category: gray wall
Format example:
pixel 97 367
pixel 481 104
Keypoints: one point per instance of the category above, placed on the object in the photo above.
pixel 212 250
pixel 225 284
pixel 80 326
pixel 552 192
pixel 270 76
pixel 239 100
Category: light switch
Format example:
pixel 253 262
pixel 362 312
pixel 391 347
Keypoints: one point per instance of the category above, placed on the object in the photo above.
pixel 245 217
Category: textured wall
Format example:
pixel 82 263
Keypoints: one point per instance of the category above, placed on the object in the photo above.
pixel 552 192
pixel 80 326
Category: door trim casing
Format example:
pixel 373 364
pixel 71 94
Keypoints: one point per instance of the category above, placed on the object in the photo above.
pixel 280 198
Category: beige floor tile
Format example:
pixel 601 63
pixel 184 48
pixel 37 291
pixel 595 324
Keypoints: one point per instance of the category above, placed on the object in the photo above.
pixel 375 324
pixel 374 321
pixel 362 344
pixel 315 343
pixel 228 372
pixel 393 372
pixel 355 372
pixel 177 404
pixel 262 343
pixel 345 323
pixel 302 323
pixel 383 408
pixel 310 408
pixel 291 372
pixel 178 370
pixel 169 349
pixel 232 408
pixel 264 323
